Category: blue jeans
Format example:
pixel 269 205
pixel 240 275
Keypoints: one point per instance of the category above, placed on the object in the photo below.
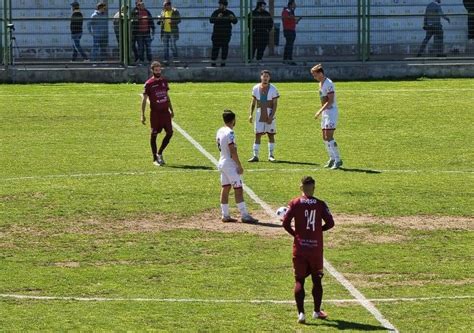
pixel 144 44
pixel 169 38
pixel 99 52
pixel 76 47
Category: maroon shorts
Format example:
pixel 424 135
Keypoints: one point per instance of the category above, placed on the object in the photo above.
pixel 160 121
pixel 304 265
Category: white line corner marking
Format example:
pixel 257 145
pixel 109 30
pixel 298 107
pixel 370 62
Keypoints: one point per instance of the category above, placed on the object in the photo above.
pixel 338 276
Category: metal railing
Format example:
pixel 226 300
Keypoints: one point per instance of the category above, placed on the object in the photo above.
pixel 343 30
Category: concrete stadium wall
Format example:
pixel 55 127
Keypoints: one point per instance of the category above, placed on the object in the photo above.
pixel 337 71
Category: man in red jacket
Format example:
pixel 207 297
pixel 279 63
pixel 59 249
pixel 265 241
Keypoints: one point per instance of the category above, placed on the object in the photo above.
pixel 289 31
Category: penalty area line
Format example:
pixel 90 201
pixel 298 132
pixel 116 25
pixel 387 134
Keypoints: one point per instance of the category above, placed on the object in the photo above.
pixel 338 276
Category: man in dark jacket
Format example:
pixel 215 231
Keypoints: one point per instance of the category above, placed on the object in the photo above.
pixel 143 29
pixel 222 19
pixel 469 5
pixel 433 27
pixel 261 23
pixel 76 31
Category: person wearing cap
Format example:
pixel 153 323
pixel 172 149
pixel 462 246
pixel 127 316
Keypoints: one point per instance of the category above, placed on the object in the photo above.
pixel 222 18
pixel 98 28
pixel 76 31
pixel 260 25
pixel 143 29
pixel 289 21
pixel 169 20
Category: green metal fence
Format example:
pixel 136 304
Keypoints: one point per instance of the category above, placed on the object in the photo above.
pixel 338 30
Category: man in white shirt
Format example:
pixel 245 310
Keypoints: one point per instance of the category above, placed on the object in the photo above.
pixel 265 98
pixel 231 170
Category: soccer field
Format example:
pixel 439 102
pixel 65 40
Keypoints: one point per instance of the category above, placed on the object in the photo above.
pixel 93 236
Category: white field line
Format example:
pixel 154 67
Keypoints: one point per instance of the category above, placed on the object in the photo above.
pixel 245 93
pixel 175 170
pixel 202 300
pixel 338 276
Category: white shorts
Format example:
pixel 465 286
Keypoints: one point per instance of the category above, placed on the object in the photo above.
pixel 329 119
pixel 263 127
pixel 229 176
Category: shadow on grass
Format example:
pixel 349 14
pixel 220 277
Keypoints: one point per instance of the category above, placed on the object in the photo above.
pixel 347 325
pixel 267 224
pixel 189 167
pixel 294 162
pixel 361 170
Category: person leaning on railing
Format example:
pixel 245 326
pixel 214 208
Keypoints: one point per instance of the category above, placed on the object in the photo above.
pixel 169 20
pixel 261 23
pixel 222 18
pixel 98 28
pixel 143 28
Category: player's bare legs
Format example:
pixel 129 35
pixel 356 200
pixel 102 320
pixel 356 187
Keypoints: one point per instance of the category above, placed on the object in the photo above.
pixel 318 296
pixel 299 298
pixel 271 146
pixel 333 151
pixel 154 149
pixel 256 147
pixel 225 190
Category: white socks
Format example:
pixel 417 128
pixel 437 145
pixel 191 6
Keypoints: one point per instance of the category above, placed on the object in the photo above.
pixel 242 208
pixel 256 148
pixel 328 149
pixel 334 150
pixel 271 148
pixel 225 209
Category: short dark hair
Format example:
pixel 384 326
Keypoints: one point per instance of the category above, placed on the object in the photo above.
pixel 307 180
pixel 265 71
pixel 155 64
pixel 318 68
pixel 228 116
pixel 101 5
pixel 290 2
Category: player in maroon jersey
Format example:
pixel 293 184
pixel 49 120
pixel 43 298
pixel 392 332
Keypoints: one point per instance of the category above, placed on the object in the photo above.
pixel 156 89
pixel 308 213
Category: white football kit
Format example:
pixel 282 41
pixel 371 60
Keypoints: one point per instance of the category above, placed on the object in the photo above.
pixel 225 137
pixel 265 102
pixel 329 116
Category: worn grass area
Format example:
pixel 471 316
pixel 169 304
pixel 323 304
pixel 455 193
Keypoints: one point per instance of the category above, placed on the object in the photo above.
pixel 83 212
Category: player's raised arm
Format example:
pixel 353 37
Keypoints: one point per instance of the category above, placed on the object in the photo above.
pixel 252 108
pixel 144 101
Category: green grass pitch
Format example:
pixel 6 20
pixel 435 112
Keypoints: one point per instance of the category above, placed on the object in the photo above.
pixel 84 213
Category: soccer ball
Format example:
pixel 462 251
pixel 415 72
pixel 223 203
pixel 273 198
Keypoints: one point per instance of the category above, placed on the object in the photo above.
pixel 281 212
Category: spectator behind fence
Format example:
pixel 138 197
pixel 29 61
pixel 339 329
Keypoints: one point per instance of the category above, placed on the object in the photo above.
pixel 133 38
pixel 169 20
pixel 289 31
pixel 222 19
pixel 433 27
pixel 143 29
pixel 469 5
pixel 118 17
pixel 260 25
pixel 76 31
pixel 98 28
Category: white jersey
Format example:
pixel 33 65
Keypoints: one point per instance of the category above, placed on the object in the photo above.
pixel 326 89
pixel 225 137
pixel 264 100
